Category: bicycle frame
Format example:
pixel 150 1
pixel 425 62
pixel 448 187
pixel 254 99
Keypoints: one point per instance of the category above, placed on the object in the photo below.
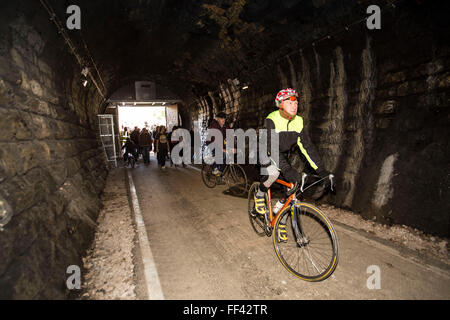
pixel 228 169
pixel 303 219
pixel 288 201
pixel 293 196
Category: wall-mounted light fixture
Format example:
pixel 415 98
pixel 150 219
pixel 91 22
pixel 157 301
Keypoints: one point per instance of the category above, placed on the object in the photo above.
pixel 244 87
pixel 85 71
pixel 235 81
pixel 6 213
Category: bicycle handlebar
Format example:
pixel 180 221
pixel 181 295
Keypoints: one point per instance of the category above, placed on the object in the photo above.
pixel 304 176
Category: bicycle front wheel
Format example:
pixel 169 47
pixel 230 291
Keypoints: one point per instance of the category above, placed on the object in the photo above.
pixel 306 243
pixel 237 180
pixel 209 179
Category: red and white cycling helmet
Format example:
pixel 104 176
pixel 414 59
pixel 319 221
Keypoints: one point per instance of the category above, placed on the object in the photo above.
pixel 284 94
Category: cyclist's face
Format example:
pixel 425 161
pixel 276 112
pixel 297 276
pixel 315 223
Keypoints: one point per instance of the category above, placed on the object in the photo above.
pixel 291 107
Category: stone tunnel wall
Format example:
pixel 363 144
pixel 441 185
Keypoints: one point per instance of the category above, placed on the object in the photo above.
pixel 376 104
pixel 52 167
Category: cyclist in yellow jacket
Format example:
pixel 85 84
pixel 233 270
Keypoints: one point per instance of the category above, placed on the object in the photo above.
pixel 289 128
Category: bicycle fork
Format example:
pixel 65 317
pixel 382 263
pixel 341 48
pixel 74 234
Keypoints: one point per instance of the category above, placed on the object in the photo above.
pixel 300 238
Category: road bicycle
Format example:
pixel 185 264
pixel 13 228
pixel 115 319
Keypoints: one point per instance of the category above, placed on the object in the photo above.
pixel 233 175
pixel 308 248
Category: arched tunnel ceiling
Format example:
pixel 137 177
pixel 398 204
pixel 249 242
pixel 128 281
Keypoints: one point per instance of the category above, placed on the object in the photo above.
pixel 191 46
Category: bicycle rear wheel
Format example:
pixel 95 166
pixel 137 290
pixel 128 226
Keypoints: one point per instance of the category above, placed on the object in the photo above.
pixel 237 180
pixel 311 252
pixel 209 179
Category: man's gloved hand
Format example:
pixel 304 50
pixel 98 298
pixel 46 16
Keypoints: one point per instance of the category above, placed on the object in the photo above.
pixel 292 175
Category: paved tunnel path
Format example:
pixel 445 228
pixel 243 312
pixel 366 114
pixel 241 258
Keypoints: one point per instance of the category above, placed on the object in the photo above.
pixel 205 248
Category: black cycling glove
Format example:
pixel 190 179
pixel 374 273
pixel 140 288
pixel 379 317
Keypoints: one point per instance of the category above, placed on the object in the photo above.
pixel 292 175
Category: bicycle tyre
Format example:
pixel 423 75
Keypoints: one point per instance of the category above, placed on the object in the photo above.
pixel 256 220
pixel 237 180
pixel 312 221
pixel 208 178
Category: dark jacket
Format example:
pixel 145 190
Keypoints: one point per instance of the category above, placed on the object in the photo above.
pixel 135 137
pixel 215 125
pixel 145 139
pixel 129 147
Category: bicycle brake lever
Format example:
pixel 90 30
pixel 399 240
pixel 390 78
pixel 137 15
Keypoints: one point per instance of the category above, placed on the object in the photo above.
pixel 304 175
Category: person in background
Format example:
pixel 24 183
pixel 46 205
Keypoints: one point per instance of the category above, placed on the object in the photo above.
pixel 155 137
pixel 135 138
pixel 220 124
pixel 162 147
pixel 145 143
pixel 129 147
pixel 124 135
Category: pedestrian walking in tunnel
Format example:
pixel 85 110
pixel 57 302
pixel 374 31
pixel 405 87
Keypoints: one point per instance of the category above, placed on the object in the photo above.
pixel 155 137
pixel 125 134
pixel 134 136
pixel 145 143
pixel 162 147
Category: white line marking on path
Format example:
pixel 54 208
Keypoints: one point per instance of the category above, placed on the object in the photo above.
pixel 154 290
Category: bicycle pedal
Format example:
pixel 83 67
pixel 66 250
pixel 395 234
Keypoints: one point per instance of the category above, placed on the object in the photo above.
pixel 268 231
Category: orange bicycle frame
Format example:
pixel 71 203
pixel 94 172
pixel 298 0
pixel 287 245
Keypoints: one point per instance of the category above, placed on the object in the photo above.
pixel 288 201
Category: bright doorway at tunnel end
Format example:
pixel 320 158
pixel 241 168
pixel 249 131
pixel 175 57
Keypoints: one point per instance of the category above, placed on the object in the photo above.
pixel 130 116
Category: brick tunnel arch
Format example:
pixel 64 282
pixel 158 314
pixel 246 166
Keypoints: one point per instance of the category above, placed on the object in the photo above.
pixel 376 106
